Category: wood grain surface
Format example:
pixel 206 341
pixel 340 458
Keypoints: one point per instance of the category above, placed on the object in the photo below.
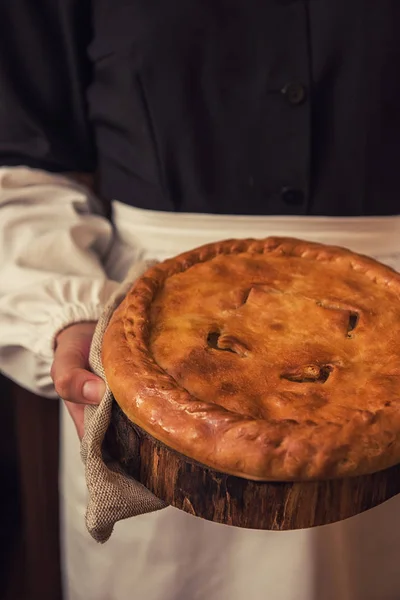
pixel 223 498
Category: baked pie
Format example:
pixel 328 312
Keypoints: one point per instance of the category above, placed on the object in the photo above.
pixel 271 360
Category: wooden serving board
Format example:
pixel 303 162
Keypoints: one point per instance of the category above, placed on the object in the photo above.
pixel 205 493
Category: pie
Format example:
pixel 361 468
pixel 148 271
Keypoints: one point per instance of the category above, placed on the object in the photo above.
pixel 271 360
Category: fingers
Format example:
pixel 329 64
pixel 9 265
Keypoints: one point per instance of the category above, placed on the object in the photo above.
pixel 70 371
pixel 77 413
pixel 76 384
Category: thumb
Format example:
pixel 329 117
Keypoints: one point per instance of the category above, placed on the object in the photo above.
pixel 70 372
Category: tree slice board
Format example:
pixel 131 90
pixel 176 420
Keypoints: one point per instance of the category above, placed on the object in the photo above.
pixel 214 496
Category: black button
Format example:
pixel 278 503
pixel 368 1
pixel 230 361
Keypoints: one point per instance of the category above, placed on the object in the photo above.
pixel 295 93
pixel 292 196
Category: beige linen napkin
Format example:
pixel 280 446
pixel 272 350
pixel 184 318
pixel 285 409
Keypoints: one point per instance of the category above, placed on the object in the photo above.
pixel 113 495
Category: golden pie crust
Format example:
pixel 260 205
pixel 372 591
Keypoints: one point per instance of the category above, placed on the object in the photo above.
pixel 272 360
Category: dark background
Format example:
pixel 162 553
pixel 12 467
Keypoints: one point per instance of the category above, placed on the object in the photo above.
pixel 29 529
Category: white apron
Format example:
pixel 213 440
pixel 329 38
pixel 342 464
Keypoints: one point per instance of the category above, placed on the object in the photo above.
pixel 170 555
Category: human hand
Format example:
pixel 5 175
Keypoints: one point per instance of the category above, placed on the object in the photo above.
pixel 73 380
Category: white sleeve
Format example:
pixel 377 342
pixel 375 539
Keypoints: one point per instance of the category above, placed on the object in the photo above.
pixel 53 243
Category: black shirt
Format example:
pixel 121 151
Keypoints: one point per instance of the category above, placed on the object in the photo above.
pixel 220 106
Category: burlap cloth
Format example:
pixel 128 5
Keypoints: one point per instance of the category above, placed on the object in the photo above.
pixel 113 495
